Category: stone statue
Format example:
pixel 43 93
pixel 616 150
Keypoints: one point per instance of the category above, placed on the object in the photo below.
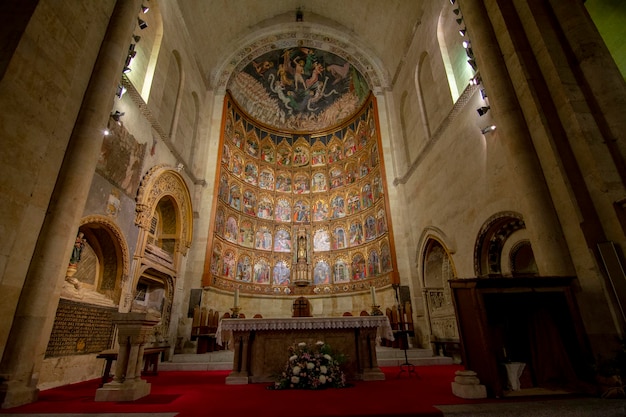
pixel 301 247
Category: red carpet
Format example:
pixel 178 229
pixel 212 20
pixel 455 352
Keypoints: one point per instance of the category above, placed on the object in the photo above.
pixel 205 394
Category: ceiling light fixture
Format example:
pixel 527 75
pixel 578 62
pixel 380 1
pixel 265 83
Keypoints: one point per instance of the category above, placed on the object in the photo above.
pixel 483 110
pixel 117 115
pixel 488 129
pixel 120 91
pixel 142 24
pixel 475 80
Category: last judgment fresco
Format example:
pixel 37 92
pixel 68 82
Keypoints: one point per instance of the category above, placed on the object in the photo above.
pixel 293 207
pixel 299 89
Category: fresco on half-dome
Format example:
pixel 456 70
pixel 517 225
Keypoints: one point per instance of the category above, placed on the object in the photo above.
pixel 299 89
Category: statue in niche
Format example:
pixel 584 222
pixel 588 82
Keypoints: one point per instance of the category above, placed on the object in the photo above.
pixel 302 247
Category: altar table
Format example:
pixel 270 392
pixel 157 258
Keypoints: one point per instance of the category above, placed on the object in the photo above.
pixel 261 345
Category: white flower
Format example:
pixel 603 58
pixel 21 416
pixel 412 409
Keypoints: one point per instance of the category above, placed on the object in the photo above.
pixel 295 379
pixel 322 379
pixel 296 370
pixel 310 365
pixel 293 358
pixel 301 344
pixel 319 343
pixel 327 357
pixel 323 369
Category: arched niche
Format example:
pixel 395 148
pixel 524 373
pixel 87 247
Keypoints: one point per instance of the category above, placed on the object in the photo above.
pixel 99 276
pixel 496 246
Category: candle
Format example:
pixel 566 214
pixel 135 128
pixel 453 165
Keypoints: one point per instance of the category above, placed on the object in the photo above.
pixel 236 297
pixel 373 292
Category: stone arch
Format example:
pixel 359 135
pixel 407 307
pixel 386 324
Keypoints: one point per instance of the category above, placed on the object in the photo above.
pixel 105 264
pixel 164 182
pixel 318 34
pixel 491 240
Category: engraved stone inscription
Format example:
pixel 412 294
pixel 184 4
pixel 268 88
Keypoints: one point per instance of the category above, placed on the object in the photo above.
pixel 80 329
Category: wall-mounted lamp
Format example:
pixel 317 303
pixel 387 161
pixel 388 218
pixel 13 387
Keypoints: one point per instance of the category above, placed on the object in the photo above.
pixel 142 24
pixel 136 38
pixel 476 80
pixel 488 129
pixel 462 32
pixel 472 63
pixel 144 9
pixel 117 115
pixel 299 15
pixel 120 91
pixel 483 110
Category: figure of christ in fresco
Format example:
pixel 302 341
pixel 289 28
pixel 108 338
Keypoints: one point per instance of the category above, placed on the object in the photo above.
pixel 311 88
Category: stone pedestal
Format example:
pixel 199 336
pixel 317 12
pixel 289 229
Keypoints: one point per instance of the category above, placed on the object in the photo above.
pixel 133 331
pixel 467 385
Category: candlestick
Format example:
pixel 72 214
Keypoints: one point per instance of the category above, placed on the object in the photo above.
pixel 373 292
pixel 236 297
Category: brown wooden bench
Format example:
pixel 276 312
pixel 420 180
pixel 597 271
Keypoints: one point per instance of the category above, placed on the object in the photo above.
pixel 151 357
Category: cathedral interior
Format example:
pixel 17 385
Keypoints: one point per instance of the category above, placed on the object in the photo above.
pixel 457 163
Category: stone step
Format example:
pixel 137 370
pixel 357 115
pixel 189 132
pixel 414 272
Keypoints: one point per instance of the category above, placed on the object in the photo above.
pixel 223 360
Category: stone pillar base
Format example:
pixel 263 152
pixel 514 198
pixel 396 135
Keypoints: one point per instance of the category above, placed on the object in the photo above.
pixel 13 394
pixel 237 378
pixel 373 374
pixel 125 391
pixel 467 385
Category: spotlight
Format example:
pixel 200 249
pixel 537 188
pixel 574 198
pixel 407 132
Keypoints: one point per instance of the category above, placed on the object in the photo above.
pixel 456 11
pixel 106 132
pixel 120 91
pixel 452 1
pixel 137 38
pixel 472 63
pixel 459 20
pixel 488 129
pixel 144 9
pixel 469 53
pixel 483 110
pixel 117 115
pixel 466 44
pixel 475 81
pixel 299 15
pixel 142 24
pixel 462 32
pixel 126 70
pixel 483 93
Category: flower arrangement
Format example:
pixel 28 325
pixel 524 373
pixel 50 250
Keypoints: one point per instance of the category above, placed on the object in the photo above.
pixel 311 367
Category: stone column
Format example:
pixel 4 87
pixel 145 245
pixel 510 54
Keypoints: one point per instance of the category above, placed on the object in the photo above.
pixel 38 301
pixel 549 247
pixel 134 330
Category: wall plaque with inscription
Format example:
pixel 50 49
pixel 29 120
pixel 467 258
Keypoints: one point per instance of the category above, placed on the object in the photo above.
pixel 80 329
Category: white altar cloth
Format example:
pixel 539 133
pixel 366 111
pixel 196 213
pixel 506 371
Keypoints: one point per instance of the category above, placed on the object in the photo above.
pixel 227 326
